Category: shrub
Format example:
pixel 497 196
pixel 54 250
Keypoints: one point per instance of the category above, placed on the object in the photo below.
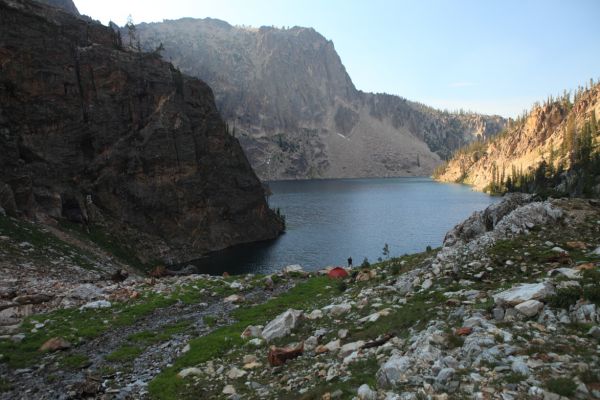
pixel 515 378
pixel 589 376
pixel 562 386
pixel 564 298
pixel 455 341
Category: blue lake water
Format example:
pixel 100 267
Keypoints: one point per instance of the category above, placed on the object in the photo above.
pixel 331 220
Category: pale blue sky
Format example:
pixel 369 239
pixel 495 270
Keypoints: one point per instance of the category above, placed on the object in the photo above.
pixel 495 57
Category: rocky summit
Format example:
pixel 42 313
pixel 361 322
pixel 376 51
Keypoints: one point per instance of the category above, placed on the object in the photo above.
pixel 507 308
pixel 287 96
pixel 118 141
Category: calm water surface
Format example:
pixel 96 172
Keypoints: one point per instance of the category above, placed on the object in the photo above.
pixel 331 220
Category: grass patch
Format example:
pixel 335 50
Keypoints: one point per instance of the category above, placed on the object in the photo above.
pixel 44 245
pixel 74 361
pixel 488 305
pixel 309 294
pixel 562 386
pixel 589 290
pixel 412 315
pixel 107 370
pixel 589 376
pixel 514 378
pixel 75 325
pixel 147 338
pixel 125 354
pixel 210 320
pixel 454 340
pixel 361 372
pixel 564 298
pixel 111 244
pixel 5 385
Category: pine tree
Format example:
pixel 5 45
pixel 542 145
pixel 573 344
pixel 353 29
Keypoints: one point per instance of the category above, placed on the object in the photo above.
pixel 509 185
pixel 552 157
pixel 570 138
pixel 594 125
pixel 584 145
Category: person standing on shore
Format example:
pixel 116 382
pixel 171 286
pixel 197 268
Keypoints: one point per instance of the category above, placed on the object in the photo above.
pixel 349 262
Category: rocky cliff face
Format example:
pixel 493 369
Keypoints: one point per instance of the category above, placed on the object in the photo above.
pixel 66 5
pixel 96 134
pixel 547 133
pixel 296 111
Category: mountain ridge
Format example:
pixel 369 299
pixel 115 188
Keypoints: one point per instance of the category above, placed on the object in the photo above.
pixel 296 110
pixel 550 133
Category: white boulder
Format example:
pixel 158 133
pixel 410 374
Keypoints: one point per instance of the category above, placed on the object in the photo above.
pixel 235 373
pixel 350 348
pixel 282 325
pixel 293 268
pixel 252 331
pixel 366 393
pixel 96 304
pixel 529 308
pixel 524 292
pixel 335 310
pixel 189 371
pixel 392 371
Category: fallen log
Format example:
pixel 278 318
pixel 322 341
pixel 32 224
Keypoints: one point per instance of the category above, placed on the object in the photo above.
pixel 279 355
pixel 378 342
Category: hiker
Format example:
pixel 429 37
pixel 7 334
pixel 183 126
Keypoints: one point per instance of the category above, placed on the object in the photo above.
pixel 349 262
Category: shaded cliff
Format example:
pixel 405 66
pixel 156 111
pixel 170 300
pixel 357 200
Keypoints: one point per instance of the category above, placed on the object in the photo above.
pixel 95 134
pixel 66 5
pixel 554 133
pixel 296 110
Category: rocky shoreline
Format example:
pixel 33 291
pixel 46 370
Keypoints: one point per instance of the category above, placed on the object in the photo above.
pixel 506 309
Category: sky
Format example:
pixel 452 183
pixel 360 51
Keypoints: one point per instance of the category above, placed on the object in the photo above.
pixel 489 56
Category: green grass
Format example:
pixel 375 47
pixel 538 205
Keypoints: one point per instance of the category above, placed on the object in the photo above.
pixel 74 361
pixel 589 376
pixel 564 298
pixel 75 324
pixel 5 385
pixel 125 353
pixel 414 314
pixel 108 242
pixel 454 341
pixel 151 337
pixel 210 320
pixel 361 372
pixel 44 244
pixel 309 294
pixel 562 386
pixel 514 378
pixel 107 370
pixel 589 290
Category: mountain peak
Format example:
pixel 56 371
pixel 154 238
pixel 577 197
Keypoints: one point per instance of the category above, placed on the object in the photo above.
pixel 296 110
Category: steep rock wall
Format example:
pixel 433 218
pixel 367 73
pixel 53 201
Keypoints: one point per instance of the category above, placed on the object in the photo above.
pixel 96 134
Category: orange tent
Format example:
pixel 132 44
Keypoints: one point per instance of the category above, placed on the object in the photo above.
pixel 337 272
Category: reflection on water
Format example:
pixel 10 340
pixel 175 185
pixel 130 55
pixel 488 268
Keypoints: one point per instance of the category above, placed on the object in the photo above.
pixel 331 220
